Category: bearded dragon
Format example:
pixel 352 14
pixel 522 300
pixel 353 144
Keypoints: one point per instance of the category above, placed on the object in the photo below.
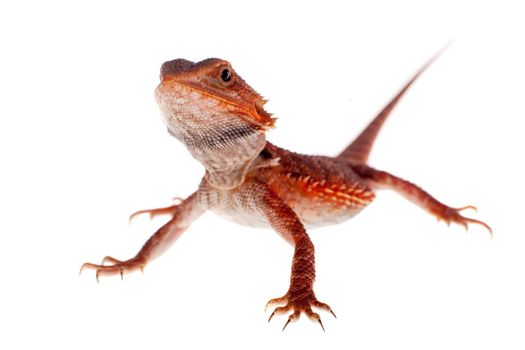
pixel 222 122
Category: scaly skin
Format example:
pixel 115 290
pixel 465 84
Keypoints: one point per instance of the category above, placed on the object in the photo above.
pixel 222 122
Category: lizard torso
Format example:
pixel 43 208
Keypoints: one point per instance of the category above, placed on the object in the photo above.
pixel 321 190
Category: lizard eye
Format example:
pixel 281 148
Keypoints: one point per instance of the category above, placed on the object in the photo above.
pixel 226 75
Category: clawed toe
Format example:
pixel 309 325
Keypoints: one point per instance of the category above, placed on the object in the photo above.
pixel 292 318
pixel 276 302
pixel 314 316
pixel 324 307
pixel 279 311
pixel 158 211
pixel 468 207
pixel 115 267
pixel 109 259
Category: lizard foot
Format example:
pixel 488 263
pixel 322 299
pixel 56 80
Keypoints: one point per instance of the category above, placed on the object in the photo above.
pixel 450 215
pixel 115 266
pixel 298 305
pixel 158 211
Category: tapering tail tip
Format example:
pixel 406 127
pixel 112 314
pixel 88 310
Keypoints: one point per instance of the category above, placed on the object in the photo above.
pixel 359 150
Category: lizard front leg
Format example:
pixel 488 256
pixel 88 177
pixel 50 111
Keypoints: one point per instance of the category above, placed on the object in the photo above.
pixel 382 179
pixel 183 215
pixel 300 297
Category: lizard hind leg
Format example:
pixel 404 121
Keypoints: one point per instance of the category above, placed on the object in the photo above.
pixel 415 194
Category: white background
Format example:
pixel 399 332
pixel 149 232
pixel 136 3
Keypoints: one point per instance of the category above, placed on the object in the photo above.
pixel 83 146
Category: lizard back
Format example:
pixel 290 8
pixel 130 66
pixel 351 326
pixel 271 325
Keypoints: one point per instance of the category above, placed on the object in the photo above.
pixel 321 190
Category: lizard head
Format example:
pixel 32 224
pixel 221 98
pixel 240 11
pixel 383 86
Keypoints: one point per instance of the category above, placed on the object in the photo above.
pixel 215 114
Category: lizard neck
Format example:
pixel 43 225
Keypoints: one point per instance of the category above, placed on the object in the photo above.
pixel 226 153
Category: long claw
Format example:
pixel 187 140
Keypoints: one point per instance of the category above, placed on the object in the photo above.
pixel 471 207
pixel 465 221
pixel 277 311
pixel 135 214
pixel 474 221
pixel 293 317
pixel 321 323
pixel 324 307
pixel 286 324
pixel 87 266
pixel 155 212
pixel 110 260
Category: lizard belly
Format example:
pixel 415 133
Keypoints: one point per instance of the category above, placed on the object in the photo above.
pixel 324 206
pixel 239 205
pixel 311 213
pixel 314 214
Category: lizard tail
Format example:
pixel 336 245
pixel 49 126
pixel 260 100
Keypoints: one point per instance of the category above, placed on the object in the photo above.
pixel 358 151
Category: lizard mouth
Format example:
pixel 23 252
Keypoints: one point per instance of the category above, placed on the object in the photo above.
pixel 183 94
